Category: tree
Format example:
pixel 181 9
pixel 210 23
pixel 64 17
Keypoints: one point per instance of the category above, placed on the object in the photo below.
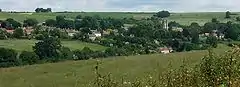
pixel 79 17
pixel 90 22
pixel 84 54
pixel 212 41
pixel 49 10
pixel 55 33
pixel 228 14
pixel 173 24
pixel 238 18
pixel 209 27
pixel 66 53
pixel 214 20
pixel 13 24
pixel 3 34
pixel 8 58
pixel 28 58
pixel 18 33
pixel 233 31
pixel 38 10
pixel 0 10
pixel 49 48
pixel 30 22
pixel 162 14
pixel 60 21
pixel 50 22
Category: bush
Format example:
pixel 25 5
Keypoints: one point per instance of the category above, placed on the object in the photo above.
pixel 39 37
pixel 84 54
pixel 2 34
pixel 66 53
pixel 18 33
pixel 8 58
pixel 28 58
pixel 238 18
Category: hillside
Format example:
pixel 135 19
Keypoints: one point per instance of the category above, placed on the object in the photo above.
pixel 80 73
pixel 182 18
pixel 27 45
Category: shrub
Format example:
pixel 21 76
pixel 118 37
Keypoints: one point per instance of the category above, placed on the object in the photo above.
pixel 66 53
pixel 39 37
pixel 84 54
pixel 18 33
pixel 28 58
pixel 8 58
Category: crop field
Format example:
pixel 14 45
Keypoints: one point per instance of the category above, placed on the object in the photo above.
pixel 81 73
pixel 182 18
pixel 27 45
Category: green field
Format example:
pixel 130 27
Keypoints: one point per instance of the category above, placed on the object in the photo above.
pixel 80 73
pixel 182 18
pixel 27 45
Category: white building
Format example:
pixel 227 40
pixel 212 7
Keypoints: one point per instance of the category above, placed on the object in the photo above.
pixel 165 50
pixel 96 33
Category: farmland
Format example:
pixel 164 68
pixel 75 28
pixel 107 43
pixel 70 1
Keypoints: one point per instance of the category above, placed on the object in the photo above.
pixel 81 73
pixel 182 18
pixel 26 45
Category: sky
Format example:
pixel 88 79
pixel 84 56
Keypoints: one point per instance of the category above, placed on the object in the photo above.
pixel 123 5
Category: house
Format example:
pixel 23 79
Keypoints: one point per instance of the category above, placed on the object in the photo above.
pixel 92 37
pixel 127 26
pixel 179 29
pixel 28 30
pixel 165 50
pixel 9 31
pixel 96 33
pixel 71 32
pixel 106 32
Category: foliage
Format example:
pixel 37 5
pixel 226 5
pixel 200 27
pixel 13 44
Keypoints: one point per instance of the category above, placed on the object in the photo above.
pixel 18 33
pixel 49 48
pixel 238 18
pixel 79 17
pixel 233 31
pixel 66 53
pixel 228 14
pixel 8 58
pixel 212 41
pixel 50 22
pixel 3 34
pixel 162 14
pixel 84 54
pixel 214 20
pixel 13 23
pixel 38 10
pixel 30 22
pixel 28 58
pixel 212 71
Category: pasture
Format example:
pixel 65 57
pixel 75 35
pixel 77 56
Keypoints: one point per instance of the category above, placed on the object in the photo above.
pixel 26 45
pixel 182 18
pixel 81 73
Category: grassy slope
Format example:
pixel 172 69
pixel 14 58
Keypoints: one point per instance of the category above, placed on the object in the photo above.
pixel 182 18
pixel 67 74
pixel 26 45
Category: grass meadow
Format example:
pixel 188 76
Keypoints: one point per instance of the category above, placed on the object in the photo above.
pixel 26 45
pixel 81 73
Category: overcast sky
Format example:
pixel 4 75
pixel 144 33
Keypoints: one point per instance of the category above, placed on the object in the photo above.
pixel 122 5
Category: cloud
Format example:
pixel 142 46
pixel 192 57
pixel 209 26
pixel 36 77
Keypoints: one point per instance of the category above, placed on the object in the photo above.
pixel 122 5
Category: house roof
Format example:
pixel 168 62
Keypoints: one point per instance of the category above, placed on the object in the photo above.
pixel 164 48
pixel 10 31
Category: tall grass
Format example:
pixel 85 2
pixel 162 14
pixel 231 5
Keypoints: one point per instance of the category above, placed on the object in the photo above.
pixel 213 71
